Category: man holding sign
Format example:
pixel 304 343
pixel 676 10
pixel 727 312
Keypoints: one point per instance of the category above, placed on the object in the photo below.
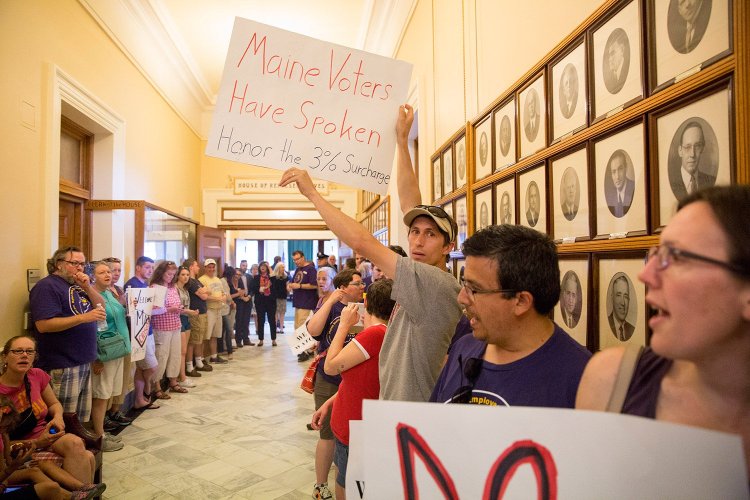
pixel 426 312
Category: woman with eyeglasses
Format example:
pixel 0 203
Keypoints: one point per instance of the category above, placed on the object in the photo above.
pixel 167 325
pixel 265 302
pixel 696 370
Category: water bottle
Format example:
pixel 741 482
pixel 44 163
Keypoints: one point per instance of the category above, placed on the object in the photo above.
pixel 101 324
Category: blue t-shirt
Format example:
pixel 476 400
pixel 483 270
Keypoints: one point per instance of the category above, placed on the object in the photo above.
pixel 53 297
pixel 547 377
pixel 305 298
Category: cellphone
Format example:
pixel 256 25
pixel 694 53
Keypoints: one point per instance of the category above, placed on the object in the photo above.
pixel 52 430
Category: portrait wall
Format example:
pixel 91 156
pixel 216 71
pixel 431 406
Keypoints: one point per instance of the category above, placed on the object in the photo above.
pixel 483 209
pixel 533 124
pixel 459 270
pixel 571 312
pixel 450 210
pixel 462 221
pixel 437 179
pixel 621 302
pixel 620 170
pixel 570 201
pixel 505 135
pixel 532 187
pixel 693 150
pixel 505 202
pixel 461 170
pixel 447 171
pixel 616 61
pixel 568 90
pixel 483 154
pixel 686 35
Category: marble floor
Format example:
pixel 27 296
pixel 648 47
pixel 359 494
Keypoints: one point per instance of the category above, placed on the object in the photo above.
pixel 239 434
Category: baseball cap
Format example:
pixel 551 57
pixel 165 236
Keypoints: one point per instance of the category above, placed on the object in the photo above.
pixel 321 255
pixel 208 262
pixel 444 221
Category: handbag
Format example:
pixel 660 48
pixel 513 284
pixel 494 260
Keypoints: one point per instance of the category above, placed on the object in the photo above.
pixel 27 421
pixel 110 345
pixel 308 381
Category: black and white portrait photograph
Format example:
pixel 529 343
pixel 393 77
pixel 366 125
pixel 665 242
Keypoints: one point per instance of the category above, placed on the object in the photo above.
pixel 447 171
pixel 461 172
pixel 571 312
pixel 621 303
pixel 570 201
pixel 533 117
pixel 437 180
pixel 618 75
pixel 687 33
pixel 569 93
pixel 462 221
pixel 505 135
pixel 694 152
pixel 505 202
pixel 483 209
pixel 620 182
pixel 460 265
pixel 483 141
pixel 533 208
pixel 449 209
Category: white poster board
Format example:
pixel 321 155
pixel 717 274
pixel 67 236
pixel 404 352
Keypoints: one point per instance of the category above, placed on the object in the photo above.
pixel 467 451
pixel 301 340
pixel 140 304
pixel 287 100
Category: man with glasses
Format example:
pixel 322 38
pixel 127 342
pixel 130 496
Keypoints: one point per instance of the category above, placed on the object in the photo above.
pixel 689 178
pixel 516 356
pixel 304 288
pixel 64 310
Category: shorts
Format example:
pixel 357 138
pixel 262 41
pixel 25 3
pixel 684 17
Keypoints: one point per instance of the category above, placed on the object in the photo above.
pixel 109 382
pixel 198 327
pixel 341 458
pixel 185 323
pixel 72 386
pixel 127 381
pixel 323 391
pixel 214 324
pixel 149 361
pixel 281 307
pixel 300 316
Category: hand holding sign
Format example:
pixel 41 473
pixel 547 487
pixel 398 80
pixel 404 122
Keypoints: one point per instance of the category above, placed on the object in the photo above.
pixel 303 180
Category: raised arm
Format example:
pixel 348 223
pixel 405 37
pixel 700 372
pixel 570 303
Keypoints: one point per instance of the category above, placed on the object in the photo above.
pixel 408 188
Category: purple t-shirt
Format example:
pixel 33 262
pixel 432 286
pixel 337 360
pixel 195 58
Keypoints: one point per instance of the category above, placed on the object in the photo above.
pixel 463 327
pixel 547 377
pixel 326 337
pixel 305 299
pixel 53 297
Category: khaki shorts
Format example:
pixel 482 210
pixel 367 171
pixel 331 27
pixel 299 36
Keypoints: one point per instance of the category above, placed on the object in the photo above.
pixel 214 328
pixel 109 382
pixel 198 328
pixel 300 316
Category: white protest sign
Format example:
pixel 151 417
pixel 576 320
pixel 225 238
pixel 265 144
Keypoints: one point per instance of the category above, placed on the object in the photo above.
pixel 468 451
pixel 301 340
pixel 355 484
pixel 287 100
pixel 140 304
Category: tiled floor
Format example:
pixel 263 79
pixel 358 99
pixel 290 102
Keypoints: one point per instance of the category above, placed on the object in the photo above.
pixel 239 434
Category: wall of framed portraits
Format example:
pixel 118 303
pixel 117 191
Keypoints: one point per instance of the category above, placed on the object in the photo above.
pixel 640 104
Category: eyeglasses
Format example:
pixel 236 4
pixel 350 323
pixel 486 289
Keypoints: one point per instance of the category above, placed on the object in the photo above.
pixel 697 147
pixel 470 291
pixel 357 283
pixel 668 254
pixel 111 260
pixel 18 352
pixel 74 263
pixel 471 371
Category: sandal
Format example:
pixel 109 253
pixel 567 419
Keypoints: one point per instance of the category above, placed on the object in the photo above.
pixel 150 406
pixel 161 395
pixel 177 388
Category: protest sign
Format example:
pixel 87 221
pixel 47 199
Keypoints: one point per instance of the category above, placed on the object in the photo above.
pixel 140 304
pixel 287 100
pixel 300 341
pixel 470 451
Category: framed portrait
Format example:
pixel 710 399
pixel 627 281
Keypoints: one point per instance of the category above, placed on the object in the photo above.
pixel 572 312
pixel 693 150
pixel 570 201
pixel 460 265
pixel 686 36
pixel 448 207
pixel 437 179
pixel 532 102
pixel 447 171
pixel 621 302
pixel 505 135
pixel 461 170
pixel 619 180
pixel 532 188
pixel 616 61
pixel 505 202
pixel 462 221
pixel 568 92
pixel 483 209
pixel 483 144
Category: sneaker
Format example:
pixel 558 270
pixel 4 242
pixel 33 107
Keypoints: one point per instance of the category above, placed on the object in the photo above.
pixel 116 439
pixel 88 491
pixel 205 368
pixel 302 357
pixel 187 383
pixel 119 418
pixel 111 444
pixel 109 424
pixel 218 360
pixel 321 492
pixel 193 373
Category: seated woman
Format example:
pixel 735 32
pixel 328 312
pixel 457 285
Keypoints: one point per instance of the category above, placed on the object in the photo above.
pixel 357 363
pixel 28 388
pixel 697 369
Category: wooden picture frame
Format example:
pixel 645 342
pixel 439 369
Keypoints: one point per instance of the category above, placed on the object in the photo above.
pixel 505 202
pixel 615 62
pixel 532 122
pixel 483 211
pixel 462 221
pixel 529 214
pixel 448 171
pixel 572 312
pixel 437 178
pixel 460 265
pixel 571 215
pixel 568 95
pixel 506 149
pixel 685 37
pixel 620 182
pixel 483 148
pixel 703 120
pixel 462 167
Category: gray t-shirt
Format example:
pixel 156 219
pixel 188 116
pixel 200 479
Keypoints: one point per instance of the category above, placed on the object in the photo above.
pixel 419 332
